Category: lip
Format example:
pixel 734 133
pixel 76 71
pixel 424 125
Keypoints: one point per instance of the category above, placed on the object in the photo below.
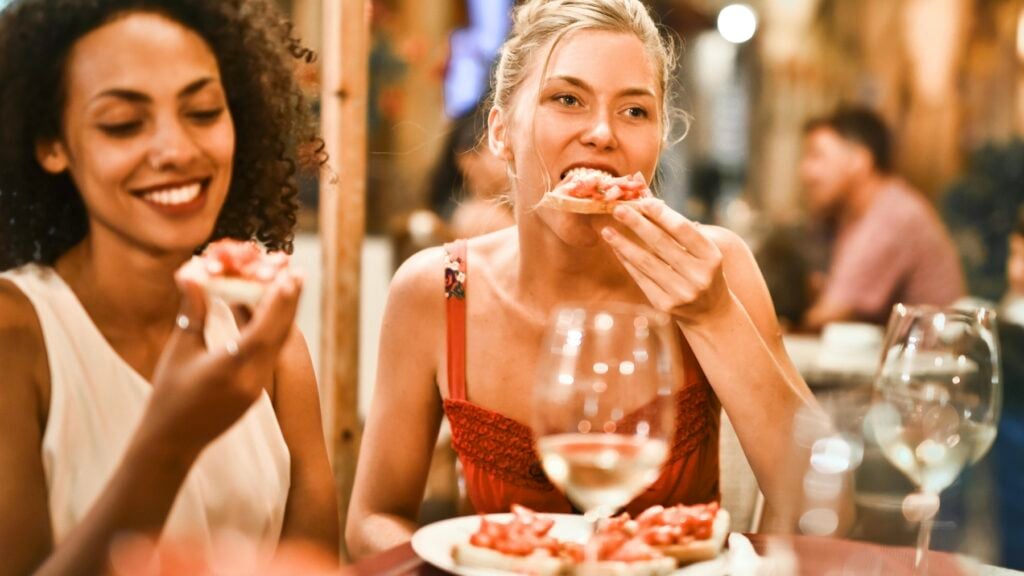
pixel 593 165
pixel 176 210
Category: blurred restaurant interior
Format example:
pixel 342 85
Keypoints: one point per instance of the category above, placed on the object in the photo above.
pixel 947 77
pixel 402 90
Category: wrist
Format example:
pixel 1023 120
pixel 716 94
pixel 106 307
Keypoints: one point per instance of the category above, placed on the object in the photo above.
pixel 722 313
pixel 154 453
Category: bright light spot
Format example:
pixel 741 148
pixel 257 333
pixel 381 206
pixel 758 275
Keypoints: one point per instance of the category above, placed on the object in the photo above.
pixel 831 456
pixel 643 429
pixel 819 522
pixel 1020 35
pixel 737 23
pixel 583 426
pixel 600 368
pixel 566 379
pixel 626 368
pixel 604 322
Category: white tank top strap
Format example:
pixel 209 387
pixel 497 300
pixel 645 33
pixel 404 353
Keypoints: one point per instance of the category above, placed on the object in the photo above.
pixel 240 482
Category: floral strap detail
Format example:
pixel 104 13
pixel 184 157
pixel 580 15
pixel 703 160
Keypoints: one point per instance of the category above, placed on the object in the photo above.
pixel 454 277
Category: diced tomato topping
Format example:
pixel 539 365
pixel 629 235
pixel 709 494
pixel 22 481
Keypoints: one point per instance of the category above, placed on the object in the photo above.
pixel 598 186
pixel 239 259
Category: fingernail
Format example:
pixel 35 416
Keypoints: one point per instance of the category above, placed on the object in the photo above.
pixel 607 233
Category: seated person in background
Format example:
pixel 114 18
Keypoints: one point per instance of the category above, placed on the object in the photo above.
pixel 470 185
pixel 1009 445
pixel 889 243
pixel 134 132
pixel 580 84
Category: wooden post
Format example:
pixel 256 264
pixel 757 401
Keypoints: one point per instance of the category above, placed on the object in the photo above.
pixel 342 213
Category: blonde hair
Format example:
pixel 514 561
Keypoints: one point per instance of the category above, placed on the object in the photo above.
pixel 539 23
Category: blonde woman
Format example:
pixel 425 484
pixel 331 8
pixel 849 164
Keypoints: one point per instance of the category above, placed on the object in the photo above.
pixel 580 83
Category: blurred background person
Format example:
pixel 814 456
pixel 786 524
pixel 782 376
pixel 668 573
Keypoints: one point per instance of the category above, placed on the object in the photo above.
pixel 1009 445
pixel 470 185
pixel 888 243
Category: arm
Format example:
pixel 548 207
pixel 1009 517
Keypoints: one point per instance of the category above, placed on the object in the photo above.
pixel 824 312
pixel 312 509
pixel 708 280
pixel 402 426
pixel 196 396
pixel 26 516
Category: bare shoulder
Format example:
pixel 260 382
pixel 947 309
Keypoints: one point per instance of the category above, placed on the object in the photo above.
pixel 22 348
pixel 728 242
pixel 19 325
pixel 419 281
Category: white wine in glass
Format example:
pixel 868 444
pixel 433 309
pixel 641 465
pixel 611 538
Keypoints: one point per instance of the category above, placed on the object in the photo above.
pixel 937 399
pixel 603 409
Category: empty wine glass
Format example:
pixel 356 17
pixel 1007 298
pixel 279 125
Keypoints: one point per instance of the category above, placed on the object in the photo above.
pixel 603 410
pixel 937 401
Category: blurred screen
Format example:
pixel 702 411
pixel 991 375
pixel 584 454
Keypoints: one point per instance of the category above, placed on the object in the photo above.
pixel 473 49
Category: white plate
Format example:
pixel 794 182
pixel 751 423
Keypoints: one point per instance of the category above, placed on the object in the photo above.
pixel 434 542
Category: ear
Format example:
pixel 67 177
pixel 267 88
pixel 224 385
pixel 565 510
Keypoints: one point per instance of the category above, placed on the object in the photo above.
pixel 497 133
pixel 51 156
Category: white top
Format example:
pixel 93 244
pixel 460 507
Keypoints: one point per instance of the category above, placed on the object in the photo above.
pixel 239 483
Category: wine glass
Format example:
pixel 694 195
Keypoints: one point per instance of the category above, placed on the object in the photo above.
pixel 937 401
pixel 603 409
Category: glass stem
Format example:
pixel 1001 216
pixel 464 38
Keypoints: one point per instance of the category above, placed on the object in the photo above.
pixel 924 537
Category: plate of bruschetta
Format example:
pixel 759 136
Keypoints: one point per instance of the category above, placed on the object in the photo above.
pixel 678 540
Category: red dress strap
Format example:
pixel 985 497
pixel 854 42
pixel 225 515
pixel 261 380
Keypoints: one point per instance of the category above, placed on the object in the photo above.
pixel 456 266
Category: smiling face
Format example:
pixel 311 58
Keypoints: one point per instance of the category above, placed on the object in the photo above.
pixel 146 133
pixel 598 105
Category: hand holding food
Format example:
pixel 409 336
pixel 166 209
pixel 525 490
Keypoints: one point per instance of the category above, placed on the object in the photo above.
pixel 235 271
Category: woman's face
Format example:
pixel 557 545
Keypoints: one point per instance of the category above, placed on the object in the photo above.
pixel 599 106
pixel 147 136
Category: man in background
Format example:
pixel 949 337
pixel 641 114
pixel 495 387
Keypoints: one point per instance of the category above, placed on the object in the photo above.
pixel 888 242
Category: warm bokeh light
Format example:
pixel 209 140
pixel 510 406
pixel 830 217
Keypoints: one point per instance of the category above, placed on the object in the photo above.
pixel 737 23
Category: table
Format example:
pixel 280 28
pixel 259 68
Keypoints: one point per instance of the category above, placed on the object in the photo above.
pixel 816 556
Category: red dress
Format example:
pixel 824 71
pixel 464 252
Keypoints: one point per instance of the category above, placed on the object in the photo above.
pixel 497 453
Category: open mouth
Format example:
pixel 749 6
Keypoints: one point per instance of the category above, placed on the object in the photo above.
pixel 583 172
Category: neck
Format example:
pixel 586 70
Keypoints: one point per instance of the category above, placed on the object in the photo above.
pixel 550 271
pixel 122 287
pixel 861 197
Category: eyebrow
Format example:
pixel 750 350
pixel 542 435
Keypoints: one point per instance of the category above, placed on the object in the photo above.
pixel 139 97
pixel 637 91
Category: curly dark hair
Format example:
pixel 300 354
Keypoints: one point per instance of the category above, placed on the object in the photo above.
pixel 42 215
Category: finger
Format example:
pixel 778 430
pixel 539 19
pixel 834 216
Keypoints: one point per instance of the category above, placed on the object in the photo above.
pixel 191 319
pixel 654 292
pixel 667 247
pixel 643 260
pixel 273 319
pixel 684 230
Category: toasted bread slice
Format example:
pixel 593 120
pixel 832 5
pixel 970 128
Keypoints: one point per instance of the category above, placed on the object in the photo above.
pixel 653 567
pixel 236 290
pixel 700 550
pixel 537 563
pixel 581 205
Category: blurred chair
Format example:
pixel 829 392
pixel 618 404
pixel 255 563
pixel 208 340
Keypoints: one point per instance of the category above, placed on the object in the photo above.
pixel 740 493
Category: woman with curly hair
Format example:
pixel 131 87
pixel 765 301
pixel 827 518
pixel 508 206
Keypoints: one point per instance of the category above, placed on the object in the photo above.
pixel 133 133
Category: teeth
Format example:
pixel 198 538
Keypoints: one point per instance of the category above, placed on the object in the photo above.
pixel 583 171
pixel 173 196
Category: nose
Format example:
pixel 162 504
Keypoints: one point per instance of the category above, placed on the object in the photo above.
pixel 600 133
pixel 171 146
